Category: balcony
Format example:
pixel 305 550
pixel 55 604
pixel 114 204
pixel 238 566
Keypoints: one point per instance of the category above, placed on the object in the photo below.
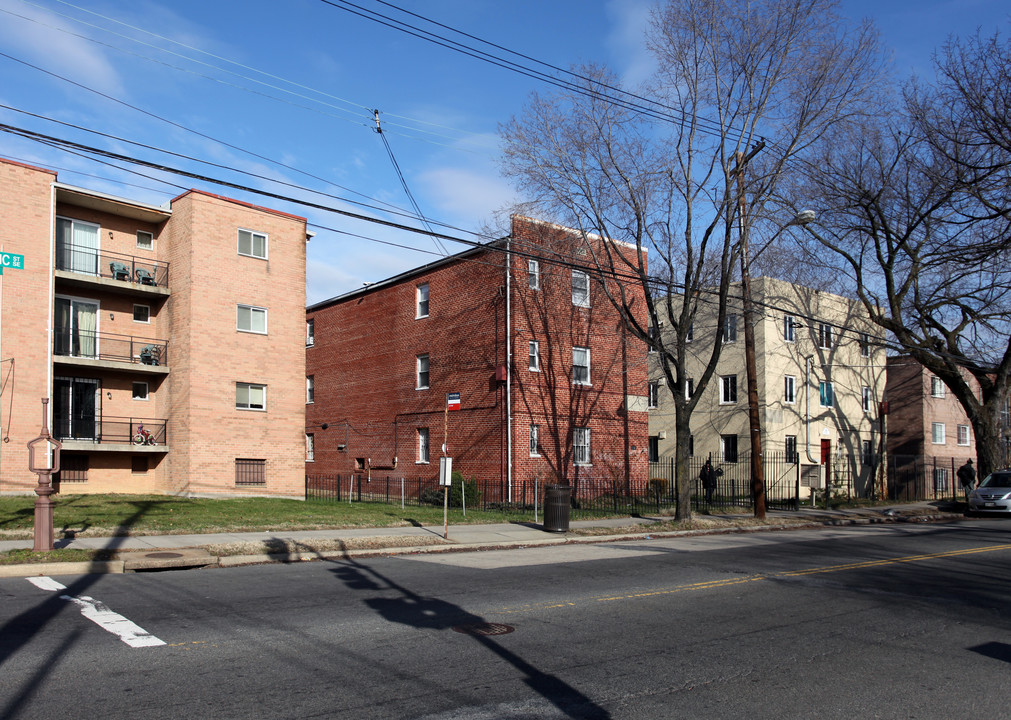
pixel 110 351
pixel 84 266
pixel 110 434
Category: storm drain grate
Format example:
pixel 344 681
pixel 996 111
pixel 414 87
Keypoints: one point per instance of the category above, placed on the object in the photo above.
pixel 163 555
pixel 484 629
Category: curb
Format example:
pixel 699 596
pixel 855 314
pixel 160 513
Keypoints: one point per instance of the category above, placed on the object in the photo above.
pixel 117 566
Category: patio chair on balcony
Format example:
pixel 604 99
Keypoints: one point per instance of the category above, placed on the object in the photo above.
pixel 119 271
pixel 151 355
pixel 144 277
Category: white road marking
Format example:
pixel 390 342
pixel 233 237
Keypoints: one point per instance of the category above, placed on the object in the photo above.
pixel 127 631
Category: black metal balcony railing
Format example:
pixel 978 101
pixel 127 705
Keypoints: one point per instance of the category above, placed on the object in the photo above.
pixel 137 431
pixel 115 266
pixel 108 346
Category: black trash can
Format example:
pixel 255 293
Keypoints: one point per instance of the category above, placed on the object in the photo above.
pixel 556 508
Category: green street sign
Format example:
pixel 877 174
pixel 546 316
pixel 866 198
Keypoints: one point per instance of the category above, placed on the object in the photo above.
pixel 10 260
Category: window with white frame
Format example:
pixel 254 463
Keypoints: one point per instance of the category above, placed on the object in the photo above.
pixel 937 433
pixel 940 479
pixel 689 388
pixel 534 354
pixel 580 366
pixel 867 451
pixel 690 335
pixel 865 345
pixel 865 398
pixel 251 319
pixel 790 389
pixel 140 390
pixel 142 313
pixel 963 434
pixel 936 387
pixel 423 453
pixel 253 244
pixel 824 336
pixel 145 240
pixel 250 396
pixel 789 328
pixel 730 329
pixel 654 394
pixel 653 335
pixel 310 389
pixel 421 372
pixel 581 445
pixel 826 397
pixel 310 447
pixel 77 246
pixel 421 301
pixel 534 274
pixel 728 448
pixel 310 332
pixel 790 448
pixel 728 389
pixel 535 440
pixel 580 288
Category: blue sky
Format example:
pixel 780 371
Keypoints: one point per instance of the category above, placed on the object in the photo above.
pixel 297 82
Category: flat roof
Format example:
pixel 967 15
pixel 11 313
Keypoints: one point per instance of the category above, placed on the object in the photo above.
pixel 94 200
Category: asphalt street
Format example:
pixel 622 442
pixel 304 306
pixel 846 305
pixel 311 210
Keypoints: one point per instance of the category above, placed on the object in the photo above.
pixel 886 621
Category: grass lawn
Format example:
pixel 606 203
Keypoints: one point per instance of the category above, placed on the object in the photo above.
pixel 101 515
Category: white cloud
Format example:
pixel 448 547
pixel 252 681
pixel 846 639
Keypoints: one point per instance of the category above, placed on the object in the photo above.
pixel 627 39
pixel 468 197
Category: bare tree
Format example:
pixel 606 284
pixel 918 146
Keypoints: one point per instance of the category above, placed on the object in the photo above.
pixel 918 211
pixel 673 174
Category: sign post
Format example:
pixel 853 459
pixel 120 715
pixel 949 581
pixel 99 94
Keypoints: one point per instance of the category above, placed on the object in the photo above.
pixel 44 460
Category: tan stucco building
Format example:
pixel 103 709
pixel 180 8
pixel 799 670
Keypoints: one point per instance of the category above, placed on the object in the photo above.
pixel 169 339
pixel 821 376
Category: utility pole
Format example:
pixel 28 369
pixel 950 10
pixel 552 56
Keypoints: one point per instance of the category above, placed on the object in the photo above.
pixel 754 412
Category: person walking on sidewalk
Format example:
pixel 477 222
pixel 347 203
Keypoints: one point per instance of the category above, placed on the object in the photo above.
pixel 708 477
pixel 967 477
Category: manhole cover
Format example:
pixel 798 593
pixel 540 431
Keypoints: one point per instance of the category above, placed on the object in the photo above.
pixel 163 555
pixel 484 629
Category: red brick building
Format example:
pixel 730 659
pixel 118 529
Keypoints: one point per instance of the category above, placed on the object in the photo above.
pixel 183 318
pixel 550 386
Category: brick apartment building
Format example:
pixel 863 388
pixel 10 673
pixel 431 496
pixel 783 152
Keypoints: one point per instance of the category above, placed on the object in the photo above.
pixel 183 321
pixel 550 386
pixel 821 375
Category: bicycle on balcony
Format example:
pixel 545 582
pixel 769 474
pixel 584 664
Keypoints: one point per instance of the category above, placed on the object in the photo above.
pixel 143 437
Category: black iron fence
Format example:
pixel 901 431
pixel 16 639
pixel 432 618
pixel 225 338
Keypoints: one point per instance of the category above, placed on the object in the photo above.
pixel 115 266
pixel 923 477
pixel 107 429
pixel 73 342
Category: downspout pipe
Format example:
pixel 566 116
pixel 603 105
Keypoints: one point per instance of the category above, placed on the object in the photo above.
pixel 509 366
pixel 807 412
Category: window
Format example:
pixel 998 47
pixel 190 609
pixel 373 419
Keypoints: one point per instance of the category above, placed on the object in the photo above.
pixel 936 387
pixel 74 468
pixel 865 397
pixel 310 332
pixel 865 345
pixel 250 471
pixel 535 440
pixel 963 434
pixel 867 452
pixel 790 448
pixel 138 464
pixel 691 446
pixel 730 329
pixel 728 448
pixel 142 313
pixel 940 479
pixel 310 389
pixel 580 288
pixel 653 335
pixel 937 433
pixel 421 299
pixel 580 366
pixel 421 371
pixel 250 397
pixel 581 445
pixel 140 390
pixel 534 274
pixel 728 389
pixel 535 356
pixel 145 240
pixel 789 328
pixel 824 336
pixel 789 389
pixel 422 445
pixel 77 246
pixel 689 388
pixel 251 319
pixel 690 335
pixel 825 394
pixel 654 394
pixel 253 244
pixel 653 452
pixel 310 447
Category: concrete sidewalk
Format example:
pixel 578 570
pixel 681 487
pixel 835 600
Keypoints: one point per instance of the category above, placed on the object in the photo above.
pixel 149 552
